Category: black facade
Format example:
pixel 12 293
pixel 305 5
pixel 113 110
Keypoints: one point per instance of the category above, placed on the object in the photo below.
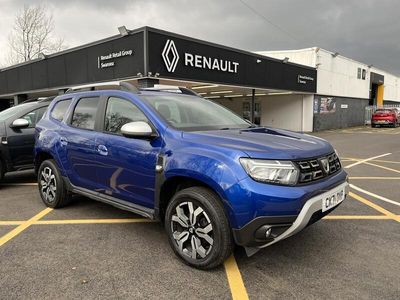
pixel 149 52
pixel 338 112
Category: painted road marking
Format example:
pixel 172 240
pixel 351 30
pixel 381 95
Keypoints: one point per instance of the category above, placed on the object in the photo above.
pixel 375 206
pixel 11 223
pixel 121 221
pixel 13 233
pixel 374 178
pixel 235 279
pixel 19 184
pixel 365 160
pixel 386 161
pixel 93 221
pixel 382 167
pixel 374 195
pixel 378 217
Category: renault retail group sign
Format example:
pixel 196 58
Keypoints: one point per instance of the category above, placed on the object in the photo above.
pixel 171 59
pixel 108 60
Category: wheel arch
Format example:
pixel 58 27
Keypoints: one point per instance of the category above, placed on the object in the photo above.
pixel 41 157
pixel 173 184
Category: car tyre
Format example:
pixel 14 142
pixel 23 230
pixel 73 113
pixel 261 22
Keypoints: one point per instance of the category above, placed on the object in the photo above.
pixel 52 188
pixel 198 229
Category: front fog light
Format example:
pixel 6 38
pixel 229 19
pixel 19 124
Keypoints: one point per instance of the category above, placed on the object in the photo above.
pixel 273 171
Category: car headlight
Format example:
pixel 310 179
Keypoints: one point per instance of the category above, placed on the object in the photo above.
pixel 272 171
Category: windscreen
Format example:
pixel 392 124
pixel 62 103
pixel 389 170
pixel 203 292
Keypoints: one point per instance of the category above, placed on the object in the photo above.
pixel 189 113
pixel 10 112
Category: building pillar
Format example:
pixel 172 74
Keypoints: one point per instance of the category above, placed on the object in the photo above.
pixel 18 99
pixel 148 82
pixel 253 106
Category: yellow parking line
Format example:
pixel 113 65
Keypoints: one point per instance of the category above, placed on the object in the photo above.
pixel 364 161
pixel 235 280
pixel 336 217
pixel 11 223
pixel 374 178
pixel 375 206
pixel 13 233
pixel 382 167
pixel 19 184
pixel 386 161
pixel 142 220
pixel 93 221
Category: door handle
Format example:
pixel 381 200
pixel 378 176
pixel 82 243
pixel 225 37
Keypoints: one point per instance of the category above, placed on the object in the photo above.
pixel 63 141
pixel 102 150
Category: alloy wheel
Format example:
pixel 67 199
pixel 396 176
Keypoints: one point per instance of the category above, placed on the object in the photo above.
pixel 192 230
pixel 48 184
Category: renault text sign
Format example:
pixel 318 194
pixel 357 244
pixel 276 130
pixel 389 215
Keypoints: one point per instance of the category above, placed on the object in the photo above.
pixel 170 56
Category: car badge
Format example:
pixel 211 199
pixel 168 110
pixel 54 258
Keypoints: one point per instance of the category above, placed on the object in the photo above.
pixel 325 165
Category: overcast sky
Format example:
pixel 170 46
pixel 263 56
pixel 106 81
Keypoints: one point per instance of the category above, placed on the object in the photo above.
pixel 365 30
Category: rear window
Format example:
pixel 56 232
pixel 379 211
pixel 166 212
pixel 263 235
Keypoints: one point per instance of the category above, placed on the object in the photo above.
pixel 60 109
pixel 85 113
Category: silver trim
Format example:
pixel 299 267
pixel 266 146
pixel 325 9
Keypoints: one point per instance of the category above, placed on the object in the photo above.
pixel 313 205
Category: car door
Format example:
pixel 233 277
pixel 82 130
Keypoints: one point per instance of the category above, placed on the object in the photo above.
pixel 126 165
pixel 77 138
pixel 21 141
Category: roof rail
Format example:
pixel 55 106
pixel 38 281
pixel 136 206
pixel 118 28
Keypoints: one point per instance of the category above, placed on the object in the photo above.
pixel 173 89
pixel 123 85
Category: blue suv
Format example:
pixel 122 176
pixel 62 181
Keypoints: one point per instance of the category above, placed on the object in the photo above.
pixel 213 178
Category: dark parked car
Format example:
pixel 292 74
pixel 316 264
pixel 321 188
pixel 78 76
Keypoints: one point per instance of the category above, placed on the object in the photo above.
pixel 17 135
pixel 213 178
pixel 385 117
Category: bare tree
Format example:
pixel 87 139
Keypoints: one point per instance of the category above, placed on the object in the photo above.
pixel 33 34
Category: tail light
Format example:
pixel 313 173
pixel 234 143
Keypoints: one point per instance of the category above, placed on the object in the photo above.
pixel 3 140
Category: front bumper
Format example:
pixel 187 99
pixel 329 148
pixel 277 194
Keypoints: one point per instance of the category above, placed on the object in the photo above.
pixel 282 227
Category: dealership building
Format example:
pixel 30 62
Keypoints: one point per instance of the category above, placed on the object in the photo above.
pixel 302 90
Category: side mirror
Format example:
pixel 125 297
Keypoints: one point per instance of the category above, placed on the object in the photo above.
pixel 19 124
pixel 137 129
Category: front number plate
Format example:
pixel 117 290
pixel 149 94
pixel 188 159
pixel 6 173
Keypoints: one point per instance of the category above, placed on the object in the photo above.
pixel 333 199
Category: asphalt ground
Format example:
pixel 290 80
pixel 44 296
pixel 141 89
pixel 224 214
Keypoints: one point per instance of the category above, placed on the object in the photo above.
pixel 90 250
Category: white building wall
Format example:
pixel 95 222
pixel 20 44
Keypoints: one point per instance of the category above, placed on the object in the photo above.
pixel 337 75
pixel 292 112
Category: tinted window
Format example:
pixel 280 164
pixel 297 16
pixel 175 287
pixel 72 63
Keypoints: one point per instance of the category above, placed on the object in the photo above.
pixel 85 113
pixel 60 109
pixel 119 112
pixel 34 116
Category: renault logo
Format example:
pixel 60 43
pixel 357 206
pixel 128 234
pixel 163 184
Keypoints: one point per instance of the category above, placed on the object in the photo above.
pixel 325 165
pixel 170 56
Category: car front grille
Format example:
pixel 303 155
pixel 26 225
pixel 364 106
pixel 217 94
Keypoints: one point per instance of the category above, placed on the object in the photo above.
pixel 315 169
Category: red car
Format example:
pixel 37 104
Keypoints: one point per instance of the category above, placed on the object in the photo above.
pixel 383 117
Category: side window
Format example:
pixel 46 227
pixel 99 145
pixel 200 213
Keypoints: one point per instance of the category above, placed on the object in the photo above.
pixel 34 116
pixel 85 112
pixel 60 109
pixel 119 112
